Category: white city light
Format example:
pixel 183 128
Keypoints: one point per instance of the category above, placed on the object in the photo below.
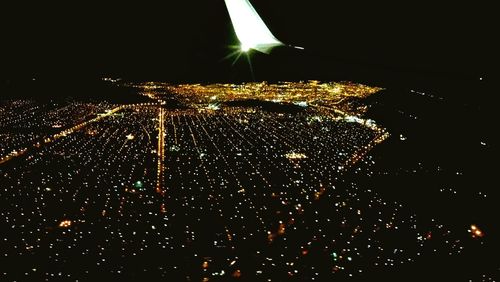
pixel 250 29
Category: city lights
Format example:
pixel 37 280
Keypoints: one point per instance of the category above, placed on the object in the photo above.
pixel 242 181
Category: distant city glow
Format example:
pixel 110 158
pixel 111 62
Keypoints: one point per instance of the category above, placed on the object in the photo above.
pixel 250 29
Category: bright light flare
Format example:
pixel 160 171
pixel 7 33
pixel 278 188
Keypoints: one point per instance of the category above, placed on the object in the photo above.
pixel 245 48
pixel 250 29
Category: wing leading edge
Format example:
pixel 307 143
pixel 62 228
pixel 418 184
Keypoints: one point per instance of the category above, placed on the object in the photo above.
pixel 250 29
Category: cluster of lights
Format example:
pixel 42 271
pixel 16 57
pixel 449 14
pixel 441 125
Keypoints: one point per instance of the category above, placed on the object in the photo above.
pixel 65 223
pixel 237 192
pixel 475 231
pixel 295 156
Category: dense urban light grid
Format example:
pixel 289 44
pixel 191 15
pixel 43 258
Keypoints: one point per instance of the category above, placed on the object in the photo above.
pixel 236 181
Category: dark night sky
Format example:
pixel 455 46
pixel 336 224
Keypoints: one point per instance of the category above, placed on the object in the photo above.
pixel 186 41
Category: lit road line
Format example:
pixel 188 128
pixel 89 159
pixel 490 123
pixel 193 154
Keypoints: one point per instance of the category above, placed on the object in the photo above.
pixel 361 153
pixel 146 131
pixel 175 129
pixel 63 133
pixel 161 149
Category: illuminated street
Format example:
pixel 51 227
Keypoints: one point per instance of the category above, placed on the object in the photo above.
pixel 160 149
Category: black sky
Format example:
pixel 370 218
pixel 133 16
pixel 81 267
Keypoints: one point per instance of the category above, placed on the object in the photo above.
pixel 186 40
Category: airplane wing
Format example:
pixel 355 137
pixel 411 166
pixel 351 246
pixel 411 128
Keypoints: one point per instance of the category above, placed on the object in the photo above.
pixel 250 29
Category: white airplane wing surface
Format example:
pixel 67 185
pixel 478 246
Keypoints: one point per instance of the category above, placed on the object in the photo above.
pixel 250 29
